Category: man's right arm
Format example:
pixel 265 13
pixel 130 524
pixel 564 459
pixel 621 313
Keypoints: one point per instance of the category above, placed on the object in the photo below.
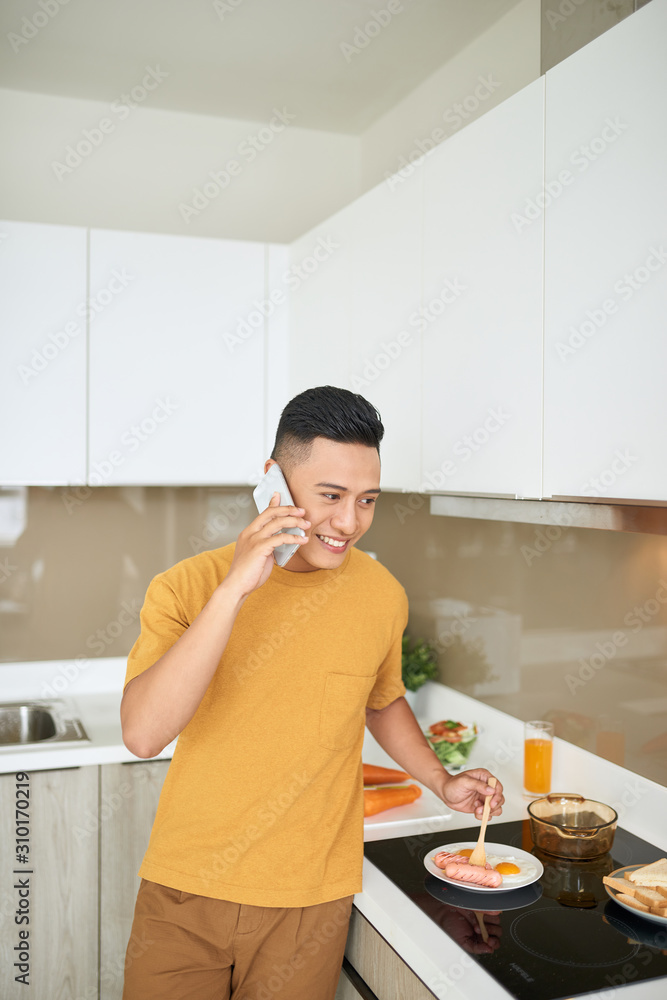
pixel 158 704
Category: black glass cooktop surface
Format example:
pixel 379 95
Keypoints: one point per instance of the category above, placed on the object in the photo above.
pixel 561 937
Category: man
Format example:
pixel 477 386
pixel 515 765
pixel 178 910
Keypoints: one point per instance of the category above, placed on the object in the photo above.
pixel 268 674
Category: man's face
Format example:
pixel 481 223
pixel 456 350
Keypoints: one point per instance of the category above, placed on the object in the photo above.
pixel 337 487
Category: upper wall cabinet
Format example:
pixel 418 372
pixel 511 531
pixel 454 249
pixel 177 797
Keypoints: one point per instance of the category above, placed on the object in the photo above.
pixel 606 266
pixel 384 360
pixel 42 354
pixel 482 304
pixel 177 359
pixel 355 314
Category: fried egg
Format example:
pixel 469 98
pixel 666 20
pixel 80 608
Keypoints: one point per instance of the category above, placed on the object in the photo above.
pixel 515 871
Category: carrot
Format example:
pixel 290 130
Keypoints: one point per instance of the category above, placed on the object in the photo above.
pixel 378 799
pixel 374 775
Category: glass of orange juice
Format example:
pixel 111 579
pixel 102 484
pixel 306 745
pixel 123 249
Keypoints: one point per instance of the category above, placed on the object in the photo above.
pixel 537 752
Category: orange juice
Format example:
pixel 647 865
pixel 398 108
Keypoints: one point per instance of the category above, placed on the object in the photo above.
pixel 537 766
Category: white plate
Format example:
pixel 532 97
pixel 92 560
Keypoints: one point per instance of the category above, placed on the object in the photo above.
pixel 620 873
pixel 502 850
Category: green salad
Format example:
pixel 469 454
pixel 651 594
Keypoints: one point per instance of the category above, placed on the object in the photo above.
pixel 451 741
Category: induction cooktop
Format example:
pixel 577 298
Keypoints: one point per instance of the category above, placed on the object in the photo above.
pixel 558 938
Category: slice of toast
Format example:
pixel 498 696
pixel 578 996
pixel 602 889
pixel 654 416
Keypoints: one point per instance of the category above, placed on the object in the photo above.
pixel 654 874
pixel 651 898
pixel 621 885
pixel 631 901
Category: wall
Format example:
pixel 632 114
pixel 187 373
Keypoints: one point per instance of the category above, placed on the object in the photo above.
pixel 496 65
pixel 150 162
pixel 574 626
pixel 568 25
pixel 139 174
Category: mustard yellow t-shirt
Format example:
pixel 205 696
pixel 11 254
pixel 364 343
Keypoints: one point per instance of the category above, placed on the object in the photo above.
pixel 263 800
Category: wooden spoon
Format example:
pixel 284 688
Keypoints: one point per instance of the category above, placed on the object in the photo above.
pixel 482 926
pixel 478 856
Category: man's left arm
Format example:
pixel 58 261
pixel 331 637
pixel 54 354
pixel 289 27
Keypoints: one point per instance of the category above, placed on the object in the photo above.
pixel 397 731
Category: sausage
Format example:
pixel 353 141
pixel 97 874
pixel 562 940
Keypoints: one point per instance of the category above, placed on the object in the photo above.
pixel 474 874
pixel 442 858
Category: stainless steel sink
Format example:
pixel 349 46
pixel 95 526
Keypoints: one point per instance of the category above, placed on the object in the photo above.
pixel 25 723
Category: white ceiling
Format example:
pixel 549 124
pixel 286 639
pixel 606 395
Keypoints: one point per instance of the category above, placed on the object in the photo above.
pixel 246 59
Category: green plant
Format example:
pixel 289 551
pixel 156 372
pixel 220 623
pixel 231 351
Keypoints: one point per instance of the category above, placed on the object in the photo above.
pixel 419 663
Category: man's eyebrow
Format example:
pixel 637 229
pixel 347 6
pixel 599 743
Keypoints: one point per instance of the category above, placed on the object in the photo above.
pixel 344 489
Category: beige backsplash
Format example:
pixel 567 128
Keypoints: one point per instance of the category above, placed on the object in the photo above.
pixel 565 623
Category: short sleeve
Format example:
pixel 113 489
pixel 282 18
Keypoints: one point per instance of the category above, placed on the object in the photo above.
pixel 163 621
pixel 389 683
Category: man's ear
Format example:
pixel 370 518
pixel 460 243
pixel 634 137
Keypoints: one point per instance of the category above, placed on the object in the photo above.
pixel 267 465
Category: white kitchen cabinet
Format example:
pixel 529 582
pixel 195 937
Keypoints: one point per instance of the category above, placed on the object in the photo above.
pixel 42 354
pixel 177 359
pixel 482 304
pixel 318 280
pixel 384 361
pixel 277 343
pixel 605 405
pixel 354 314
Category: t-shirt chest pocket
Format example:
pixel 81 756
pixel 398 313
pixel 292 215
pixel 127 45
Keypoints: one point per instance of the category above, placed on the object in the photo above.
pixel 343 708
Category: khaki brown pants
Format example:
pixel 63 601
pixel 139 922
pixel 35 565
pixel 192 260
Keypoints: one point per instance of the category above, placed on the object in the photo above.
pixel 185 946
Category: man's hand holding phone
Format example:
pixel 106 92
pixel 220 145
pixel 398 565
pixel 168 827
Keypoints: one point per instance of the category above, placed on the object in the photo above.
pixel 254 553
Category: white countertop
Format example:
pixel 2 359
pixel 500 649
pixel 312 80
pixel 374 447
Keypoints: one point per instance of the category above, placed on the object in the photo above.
pixel 94 690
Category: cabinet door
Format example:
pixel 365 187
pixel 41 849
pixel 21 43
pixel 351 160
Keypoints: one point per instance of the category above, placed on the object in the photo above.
pixel 42 354
pixel 385 231
pixel 354 314
pixel 482 304
pixel 605 405
pixel 129 798
pixel 177 381
pixel 61 877
pixel 319 308
pixel 378 966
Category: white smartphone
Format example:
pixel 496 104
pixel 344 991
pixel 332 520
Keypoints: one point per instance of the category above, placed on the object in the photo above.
pixel 271 482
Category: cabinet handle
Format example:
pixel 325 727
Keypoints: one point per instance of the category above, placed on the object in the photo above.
pixel 362 988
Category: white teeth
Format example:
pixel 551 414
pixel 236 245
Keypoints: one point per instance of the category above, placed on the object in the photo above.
pixel 332 541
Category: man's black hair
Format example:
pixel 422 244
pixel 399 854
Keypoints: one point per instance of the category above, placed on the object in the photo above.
pixel 329 412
